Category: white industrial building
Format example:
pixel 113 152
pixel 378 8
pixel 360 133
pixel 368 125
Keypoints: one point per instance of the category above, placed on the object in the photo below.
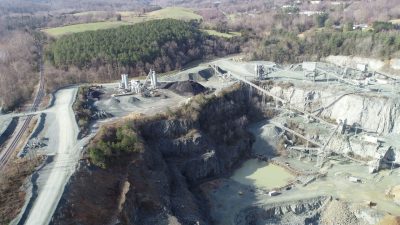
pixel 135 86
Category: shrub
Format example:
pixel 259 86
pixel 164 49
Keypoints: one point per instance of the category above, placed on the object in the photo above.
pixel 113 143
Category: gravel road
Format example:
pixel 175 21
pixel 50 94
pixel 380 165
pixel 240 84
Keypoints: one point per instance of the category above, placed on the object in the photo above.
pixel 65 159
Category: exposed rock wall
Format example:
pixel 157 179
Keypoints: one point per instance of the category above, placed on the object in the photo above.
pixel 351 61
pixel 373 113
pixel 297 212
pixel 180 152
pixel 392 65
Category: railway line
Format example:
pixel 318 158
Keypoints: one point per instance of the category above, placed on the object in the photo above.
pixel 8 152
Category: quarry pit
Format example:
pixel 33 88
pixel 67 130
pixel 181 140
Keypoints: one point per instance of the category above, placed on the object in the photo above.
pixel 311 143
pixel 324 147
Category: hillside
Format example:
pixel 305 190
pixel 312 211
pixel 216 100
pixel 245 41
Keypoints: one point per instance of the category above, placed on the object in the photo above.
pixel 160 44
pixel 282 47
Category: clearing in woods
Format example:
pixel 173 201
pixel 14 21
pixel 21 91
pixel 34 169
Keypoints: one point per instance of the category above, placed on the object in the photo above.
pixel 220 34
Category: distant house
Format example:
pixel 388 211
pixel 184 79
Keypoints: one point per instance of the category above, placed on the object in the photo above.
pixel 290 9
pixel 337 27
pixel 362 26
pixel 310 13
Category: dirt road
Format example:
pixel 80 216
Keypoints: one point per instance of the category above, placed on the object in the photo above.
pixel 65 159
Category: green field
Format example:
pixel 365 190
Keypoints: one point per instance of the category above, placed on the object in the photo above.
pixel 59 31
pixel 178 13
pixel 219 34
pixel 128 17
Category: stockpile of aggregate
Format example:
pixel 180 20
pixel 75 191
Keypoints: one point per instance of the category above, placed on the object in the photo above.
pixel 112 103
pixel 133 100
pixel 338 212
pixel 187 88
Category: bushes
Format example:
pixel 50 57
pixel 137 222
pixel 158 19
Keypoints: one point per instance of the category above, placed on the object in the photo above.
pixel 112 143
pixel 82 109
pixel 383 26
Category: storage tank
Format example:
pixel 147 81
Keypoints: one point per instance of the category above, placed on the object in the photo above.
pixel 153 79
pixel 124 80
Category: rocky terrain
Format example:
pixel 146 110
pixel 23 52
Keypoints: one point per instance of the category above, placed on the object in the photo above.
pixel 307 211
pixel 202 140
pixel 376 114
pixel 179 169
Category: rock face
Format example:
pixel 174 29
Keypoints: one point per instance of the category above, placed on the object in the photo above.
pixel 156 186
pixel 297 212
pixel 351 61
pixel 373 64
pixel 319 210
pixel 370 112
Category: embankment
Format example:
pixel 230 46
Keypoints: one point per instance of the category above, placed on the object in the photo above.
pixel 8 130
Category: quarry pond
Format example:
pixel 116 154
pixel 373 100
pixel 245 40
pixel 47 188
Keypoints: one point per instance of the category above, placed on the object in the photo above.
pixel 262 174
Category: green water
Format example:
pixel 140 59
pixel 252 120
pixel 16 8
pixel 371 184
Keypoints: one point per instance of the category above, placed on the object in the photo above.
pixel 262 175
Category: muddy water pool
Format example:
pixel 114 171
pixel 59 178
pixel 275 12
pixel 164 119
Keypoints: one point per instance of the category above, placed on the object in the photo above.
pixel 262 174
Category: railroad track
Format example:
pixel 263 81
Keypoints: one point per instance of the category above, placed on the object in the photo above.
pixel 8 152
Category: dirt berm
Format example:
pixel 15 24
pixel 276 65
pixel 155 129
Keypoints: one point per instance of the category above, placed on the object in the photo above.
pixel 204 140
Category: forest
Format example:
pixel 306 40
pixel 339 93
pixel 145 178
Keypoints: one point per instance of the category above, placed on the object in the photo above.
pixel 18 68
pixel 161 44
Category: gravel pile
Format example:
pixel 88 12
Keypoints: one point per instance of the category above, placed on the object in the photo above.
pixel 395 192
pixel 390 220
pixel 94 93
pixel 204 74
pixel 133 100
pixel 186 87
pixel 112 103
pixel 338 213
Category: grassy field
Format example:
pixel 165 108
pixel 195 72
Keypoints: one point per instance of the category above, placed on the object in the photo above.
pixel 59 31
pixel 219 34
pixel 128 17
pixel 178 13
